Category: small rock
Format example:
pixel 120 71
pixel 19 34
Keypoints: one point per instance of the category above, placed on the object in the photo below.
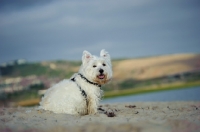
pixel 130 106
pixel 136 112
pixel 110 113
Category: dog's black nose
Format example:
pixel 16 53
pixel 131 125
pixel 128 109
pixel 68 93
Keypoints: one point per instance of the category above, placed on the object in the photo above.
pixel 101 71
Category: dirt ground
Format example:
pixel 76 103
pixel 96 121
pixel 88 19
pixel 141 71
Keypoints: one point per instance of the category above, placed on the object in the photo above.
pixel 121 117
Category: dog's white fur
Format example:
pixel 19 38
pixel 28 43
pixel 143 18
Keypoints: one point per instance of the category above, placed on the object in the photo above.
pixel 66 96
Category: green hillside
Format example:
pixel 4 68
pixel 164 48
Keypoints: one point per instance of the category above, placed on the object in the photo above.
pixel 42 69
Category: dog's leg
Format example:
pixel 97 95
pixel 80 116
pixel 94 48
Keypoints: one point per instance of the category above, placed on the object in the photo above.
pixel 91 106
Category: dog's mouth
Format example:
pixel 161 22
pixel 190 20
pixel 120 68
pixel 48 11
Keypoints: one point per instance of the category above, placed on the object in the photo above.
pixel 101 76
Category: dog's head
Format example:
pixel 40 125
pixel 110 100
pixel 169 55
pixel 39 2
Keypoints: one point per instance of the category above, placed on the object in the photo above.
pixel 97 69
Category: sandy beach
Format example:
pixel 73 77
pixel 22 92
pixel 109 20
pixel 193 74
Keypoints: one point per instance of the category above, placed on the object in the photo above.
pixel 121 117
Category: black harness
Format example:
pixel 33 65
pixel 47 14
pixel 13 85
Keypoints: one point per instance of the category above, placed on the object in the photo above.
pixel 83 91
pixel 83 77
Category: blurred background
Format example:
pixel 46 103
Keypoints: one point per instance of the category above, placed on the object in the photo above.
pixel 154 45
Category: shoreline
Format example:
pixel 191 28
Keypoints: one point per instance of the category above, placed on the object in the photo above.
pixel 149 89
pixel 137 116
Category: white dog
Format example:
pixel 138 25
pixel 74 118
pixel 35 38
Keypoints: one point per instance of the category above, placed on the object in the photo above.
pixel 82 93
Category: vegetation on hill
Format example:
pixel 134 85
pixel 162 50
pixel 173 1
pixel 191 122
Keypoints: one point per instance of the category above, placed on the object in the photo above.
pixel 62 69
pixel 123 69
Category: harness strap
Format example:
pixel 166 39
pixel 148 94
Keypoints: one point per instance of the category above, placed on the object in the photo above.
pixel 82 91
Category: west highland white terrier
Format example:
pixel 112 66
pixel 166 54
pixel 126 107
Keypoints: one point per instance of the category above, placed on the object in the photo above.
pixel 82 92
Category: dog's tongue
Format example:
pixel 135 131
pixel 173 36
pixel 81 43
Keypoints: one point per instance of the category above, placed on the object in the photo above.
pixel 101 76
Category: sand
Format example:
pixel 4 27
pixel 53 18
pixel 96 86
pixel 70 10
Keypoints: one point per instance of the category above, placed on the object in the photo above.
pixel 121 117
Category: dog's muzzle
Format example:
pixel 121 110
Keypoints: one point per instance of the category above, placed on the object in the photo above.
pixel 101 75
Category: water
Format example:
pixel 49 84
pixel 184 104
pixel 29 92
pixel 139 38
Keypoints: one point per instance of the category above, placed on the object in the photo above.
pixel 187 94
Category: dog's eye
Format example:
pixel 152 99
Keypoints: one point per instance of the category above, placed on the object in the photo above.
pixel 104 64
pixel 94 66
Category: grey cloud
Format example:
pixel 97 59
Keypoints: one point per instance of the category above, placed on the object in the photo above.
pixel 130 28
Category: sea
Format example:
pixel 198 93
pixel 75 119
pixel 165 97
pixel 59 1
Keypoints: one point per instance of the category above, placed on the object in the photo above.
pixel 183 94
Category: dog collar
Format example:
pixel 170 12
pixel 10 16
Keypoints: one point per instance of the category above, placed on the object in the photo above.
pixel 83 77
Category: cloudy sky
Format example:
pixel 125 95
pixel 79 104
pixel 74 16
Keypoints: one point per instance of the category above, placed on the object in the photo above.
pixel 61 29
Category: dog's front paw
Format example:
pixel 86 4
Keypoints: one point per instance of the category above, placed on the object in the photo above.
pixel 92 111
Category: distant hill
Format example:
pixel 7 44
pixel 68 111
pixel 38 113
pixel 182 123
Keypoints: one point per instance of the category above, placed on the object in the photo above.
pixel 139 68
pixel 154 67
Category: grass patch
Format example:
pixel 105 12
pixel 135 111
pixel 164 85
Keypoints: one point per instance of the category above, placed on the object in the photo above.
pixel 30 102
pixel 132 91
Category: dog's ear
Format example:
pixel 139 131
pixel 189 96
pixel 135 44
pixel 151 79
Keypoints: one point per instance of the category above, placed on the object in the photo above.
pixel 105 54
pixel 86 57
